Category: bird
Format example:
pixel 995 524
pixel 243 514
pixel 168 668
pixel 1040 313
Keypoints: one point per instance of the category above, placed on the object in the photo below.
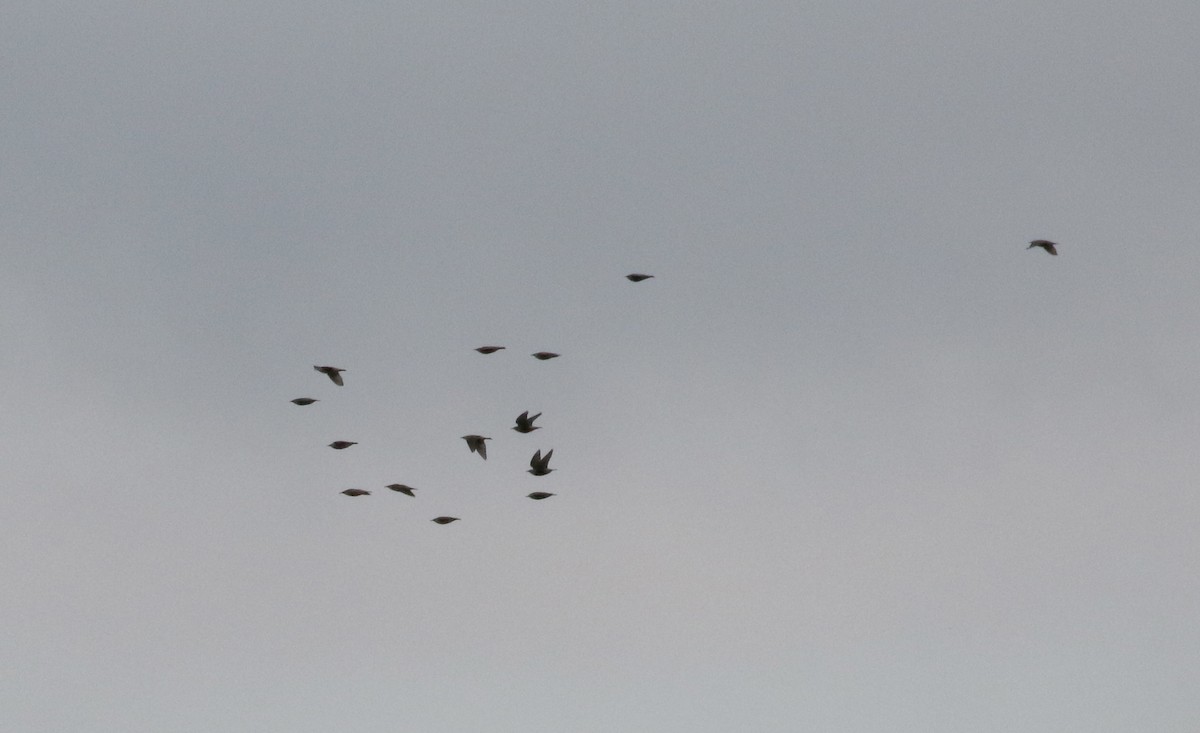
pixel 332 372
pixel 544 355
pixel 1045 244
pixel 637 277
pixel 402 489
pixel 489 349
pixel 539 495
pixel 525 422
pixel 444 520
pixel 356 492
pixel 476 444
pixel 540 465
pixel 304 401
pixel 342 444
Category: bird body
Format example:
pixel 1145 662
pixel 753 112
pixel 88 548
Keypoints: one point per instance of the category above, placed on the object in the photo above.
pixel 402 489
pixel 525 422
pixel 356 492
pixel 1045 244
pixel 539 464
pixel 637 277
pixel 332 372
pixel 342 444
pixel 304 401
pixel 539 495
pixel 544 355
pixel 476 444
pixel 489 349
pixel 444 520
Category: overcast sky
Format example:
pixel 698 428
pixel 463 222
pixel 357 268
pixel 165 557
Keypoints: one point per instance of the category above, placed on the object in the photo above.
pixel 854 460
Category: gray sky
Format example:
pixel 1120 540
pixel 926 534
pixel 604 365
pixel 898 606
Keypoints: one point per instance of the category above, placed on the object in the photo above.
pixel 855 460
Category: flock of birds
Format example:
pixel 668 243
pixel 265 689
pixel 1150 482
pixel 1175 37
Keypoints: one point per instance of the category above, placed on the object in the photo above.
pixel 539 465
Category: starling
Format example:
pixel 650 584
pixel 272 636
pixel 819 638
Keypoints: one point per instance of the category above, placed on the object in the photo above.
pixel 332 372
pixel 489 349
pixel 637 277
pixel 304 401
pixel 356 492
pixel 476 444
pixel 525 422
pixel 1045 244
pixel 544 355
pixel 342 444
pixel 539 495
pixel 444 520
pixel 402 489
pixel 540 465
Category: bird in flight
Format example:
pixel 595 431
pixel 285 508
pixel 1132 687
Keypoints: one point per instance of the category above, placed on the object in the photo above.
pixel 356 492
pixel 332 372
pixel 444 520
pixel 544 355
pixel 342 444
pixel 539 464
pixel 402 489
pixel 489 349
pixel 304 401
pixel 539 495
pixel 637 277
pixel 476 444
pixel 1045 244
pixel 525 422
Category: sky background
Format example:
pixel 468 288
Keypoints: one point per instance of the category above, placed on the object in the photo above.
pixel 854 460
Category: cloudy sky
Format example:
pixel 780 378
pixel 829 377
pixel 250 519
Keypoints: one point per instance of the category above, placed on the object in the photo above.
pixel 854 460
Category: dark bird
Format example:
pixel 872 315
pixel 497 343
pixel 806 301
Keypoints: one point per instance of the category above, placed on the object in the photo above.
pixel 637 277
pixel 342 444
pixel 540 465
pixel 539 495
pixel 476 444
pixel 304 401
pixel 1045 244
pixel 489 349
pixel 332 372
pixel 525 422
pixel 444 520
pixel 356 492
pixel 544 355
pixel 402 489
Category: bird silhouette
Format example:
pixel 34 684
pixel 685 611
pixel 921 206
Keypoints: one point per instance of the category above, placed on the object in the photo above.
pixel 544 355
pixel 525 422
pixel 402 489
pixel 539 495
pixel 304 401
pixel 1045 244
pixel 332 372
pixel 356 492
pixel 476 444
pixel 342 444
pixel 637 277
pixel 444 520
pixel 489 349
pixel 539 464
